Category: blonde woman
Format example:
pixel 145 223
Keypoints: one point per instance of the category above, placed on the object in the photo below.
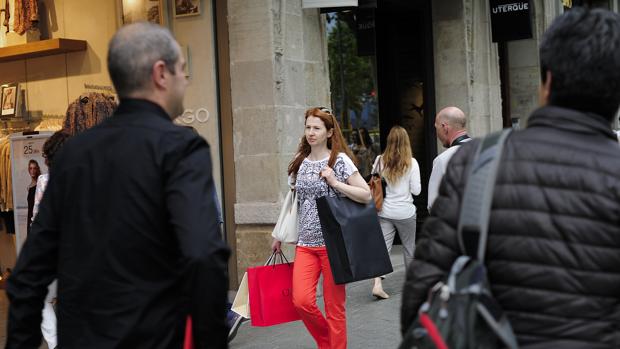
pixel 402 175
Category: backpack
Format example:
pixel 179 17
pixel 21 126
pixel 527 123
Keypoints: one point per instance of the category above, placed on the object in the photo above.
pixel 460 311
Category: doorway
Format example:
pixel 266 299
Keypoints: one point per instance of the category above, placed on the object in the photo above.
pixel 382 75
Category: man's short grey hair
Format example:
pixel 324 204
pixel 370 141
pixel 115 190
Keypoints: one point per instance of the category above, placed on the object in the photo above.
pixel 133 51
pixel 454 116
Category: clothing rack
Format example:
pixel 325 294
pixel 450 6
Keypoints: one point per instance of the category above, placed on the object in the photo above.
pixel 8 127
pixel 50 123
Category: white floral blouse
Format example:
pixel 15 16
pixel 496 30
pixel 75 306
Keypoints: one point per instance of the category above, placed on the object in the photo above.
pixel 38 195
pixel 310 186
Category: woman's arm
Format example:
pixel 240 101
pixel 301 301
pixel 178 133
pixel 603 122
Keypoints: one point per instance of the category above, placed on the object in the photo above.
pixel 355 188
pixel 38 195
pixel 414 178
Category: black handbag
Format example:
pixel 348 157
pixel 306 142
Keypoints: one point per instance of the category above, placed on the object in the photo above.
pixel 355 245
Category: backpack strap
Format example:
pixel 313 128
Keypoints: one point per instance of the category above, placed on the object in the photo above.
pixel 476 205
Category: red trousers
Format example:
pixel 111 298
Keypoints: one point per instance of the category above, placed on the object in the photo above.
pixel 329 331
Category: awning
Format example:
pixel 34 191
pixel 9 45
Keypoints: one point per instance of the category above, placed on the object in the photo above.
pixel 328 3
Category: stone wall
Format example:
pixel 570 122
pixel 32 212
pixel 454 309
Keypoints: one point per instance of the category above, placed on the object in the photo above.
pixel 524 63
pixel 278 56
pixel 467 66
pixel 466 63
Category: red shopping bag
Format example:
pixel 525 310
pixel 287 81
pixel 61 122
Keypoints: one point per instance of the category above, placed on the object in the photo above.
pixel 271 297
pixel 188 342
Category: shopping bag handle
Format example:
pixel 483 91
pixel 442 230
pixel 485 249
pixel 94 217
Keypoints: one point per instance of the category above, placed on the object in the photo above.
pixel 274 257
pixel 329 187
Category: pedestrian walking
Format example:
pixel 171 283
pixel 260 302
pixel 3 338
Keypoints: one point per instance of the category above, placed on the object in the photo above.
pixel 48 324
pixel 322 166
pixel 553 231
pixel 128 223
pixel 451 129
pixel 364 151
pixel 398 214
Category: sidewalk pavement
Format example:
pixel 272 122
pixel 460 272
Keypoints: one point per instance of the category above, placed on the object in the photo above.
pixel 370 323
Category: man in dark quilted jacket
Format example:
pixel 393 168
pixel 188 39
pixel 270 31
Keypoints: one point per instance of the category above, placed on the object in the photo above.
pixel 553 253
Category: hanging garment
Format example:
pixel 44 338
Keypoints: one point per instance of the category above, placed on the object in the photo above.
pixel 26 16
pixel 7 15
pixel 9 221
pixel 87 111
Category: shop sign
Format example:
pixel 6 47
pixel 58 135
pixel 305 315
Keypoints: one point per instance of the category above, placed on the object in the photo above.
pixel 189 116
pixel 328 3
pixel 511 20
pixel 365 32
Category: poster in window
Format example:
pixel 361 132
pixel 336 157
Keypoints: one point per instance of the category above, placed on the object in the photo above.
pixel 27 164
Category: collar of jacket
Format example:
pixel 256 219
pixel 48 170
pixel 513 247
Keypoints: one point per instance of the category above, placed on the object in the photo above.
pixel 460 139
pixel 131 106
pixel 571 120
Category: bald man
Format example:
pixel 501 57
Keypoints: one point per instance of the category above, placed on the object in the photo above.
pixel 450 124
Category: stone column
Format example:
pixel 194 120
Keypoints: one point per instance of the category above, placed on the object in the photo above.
pixel 524 62
pixel 466 63
pixel 278 60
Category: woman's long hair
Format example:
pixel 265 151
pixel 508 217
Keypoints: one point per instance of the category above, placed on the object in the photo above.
pixel 336 143
pixel 397 155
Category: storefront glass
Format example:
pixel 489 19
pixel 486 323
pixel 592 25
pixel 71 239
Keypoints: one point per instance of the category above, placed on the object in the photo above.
pixel 48 83
pixel 353 79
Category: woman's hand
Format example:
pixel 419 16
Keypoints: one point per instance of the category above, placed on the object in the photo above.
pixel 330 176
pixel 276 246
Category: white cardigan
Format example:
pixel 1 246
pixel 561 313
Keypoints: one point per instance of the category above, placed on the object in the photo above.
pixel 398 203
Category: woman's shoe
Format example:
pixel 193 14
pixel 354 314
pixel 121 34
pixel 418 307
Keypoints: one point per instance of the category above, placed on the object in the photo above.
pixel 379 293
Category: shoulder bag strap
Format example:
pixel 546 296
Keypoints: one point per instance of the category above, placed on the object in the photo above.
pixel 476 205
pixel 376 165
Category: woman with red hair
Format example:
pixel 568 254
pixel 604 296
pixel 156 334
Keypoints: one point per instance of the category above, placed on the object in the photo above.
pixel 322 166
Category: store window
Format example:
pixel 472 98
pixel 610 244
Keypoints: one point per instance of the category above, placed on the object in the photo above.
pixel 381 75
pixel 352 69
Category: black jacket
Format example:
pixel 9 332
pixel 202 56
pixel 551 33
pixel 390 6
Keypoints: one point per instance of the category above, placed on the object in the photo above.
pixel 553 252
pixel 128 225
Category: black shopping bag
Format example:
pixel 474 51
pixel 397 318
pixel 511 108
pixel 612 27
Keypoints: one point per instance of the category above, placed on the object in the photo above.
pixel 353 238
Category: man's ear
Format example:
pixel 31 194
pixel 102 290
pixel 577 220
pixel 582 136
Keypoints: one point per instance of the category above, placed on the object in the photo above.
pixel 159 74
pixel 545 90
